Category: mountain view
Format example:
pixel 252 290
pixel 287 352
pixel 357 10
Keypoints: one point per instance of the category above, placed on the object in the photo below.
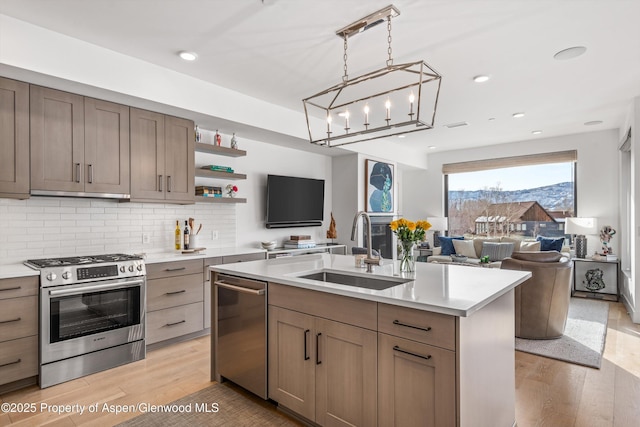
pixel 556 197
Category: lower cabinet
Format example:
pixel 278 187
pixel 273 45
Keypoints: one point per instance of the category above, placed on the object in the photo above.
pixel 416 384
pixel 18 332
pixel 175 299
pixel 325 371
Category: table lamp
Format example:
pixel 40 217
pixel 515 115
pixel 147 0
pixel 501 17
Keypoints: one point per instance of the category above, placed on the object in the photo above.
pixel 580 227
pixel 438 225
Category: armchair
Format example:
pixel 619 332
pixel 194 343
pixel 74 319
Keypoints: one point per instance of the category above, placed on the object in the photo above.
pixel 542 302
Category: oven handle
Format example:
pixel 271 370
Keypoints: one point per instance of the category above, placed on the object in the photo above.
pixel 93 288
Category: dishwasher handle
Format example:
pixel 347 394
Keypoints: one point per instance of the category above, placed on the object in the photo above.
pixel 259 292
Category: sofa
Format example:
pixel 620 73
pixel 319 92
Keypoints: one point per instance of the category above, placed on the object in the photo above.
pixel 496 248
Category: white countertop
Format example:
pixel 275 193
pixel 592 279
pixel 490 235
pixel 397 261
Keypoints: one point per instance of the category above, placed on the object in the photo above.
pixel 441 288
pixel 155 257
pixel 8 271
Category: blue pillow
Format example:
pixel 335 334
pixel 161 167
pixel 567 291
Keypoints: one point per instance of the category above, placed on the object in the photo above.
pixel 550 244
pixel 447 245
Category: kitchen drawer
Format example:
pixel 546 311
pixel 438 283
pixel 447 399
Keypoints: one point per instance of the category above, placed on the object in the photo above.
pixel 174 291
pixel 18 359
pixel 18 318
pixel 417 325
pixel 353 311
pixel 174 322
pixel 244 257
pixel 176 268
pixel 19 287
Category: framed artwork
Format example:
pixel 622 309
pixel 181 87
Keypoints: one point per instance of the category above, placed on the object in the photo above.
pixel 378 187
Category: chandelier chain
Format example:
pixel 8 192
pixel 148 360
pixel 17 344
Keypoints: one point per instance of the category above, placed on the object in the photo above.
pixel 390 60
pixel 345 78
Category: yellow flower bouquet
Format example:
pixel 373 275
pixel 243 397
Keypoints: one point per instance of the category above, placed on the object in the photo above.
pixel 408 233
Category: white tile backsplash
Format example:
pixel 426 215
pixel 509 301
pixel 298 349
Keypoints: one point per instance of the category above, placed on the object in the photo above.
pixel 42 227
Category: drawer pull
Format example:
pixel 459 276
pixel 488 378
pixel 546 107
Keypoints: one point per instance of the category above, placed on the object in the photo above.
pixel 176 323
pixel 399 323
pixel 175 269
pixel 176 292
pixel 399 350
pixel 15 288
pixel 306 354
pixel 11 363
pixel 12 320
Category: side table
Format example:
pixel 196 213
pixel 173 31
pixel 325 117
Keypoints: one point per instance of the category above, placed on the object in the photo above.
pixel 596 278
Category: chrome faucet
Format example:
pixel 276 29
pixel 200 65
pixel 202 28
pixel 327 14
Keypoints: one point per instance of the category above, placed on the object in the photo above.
pixel 370 261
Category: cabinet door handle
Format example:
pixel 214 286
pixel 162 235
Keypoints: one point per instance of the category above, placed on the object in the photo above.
pixel 15 288
pixel 90 174
pixel 175 269
pixel 399 350
pixel 176 323
pixel 77 172
pixel 176 292
pixel 168 183
pixel 11 320
pixel 11 363
pixel 399 323
pixel 306 353
pixel 318 361
pixel 160 183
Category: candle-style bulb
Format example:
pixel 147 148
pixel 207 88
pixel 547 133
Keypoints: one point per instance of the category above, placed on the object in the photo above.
pixel 366 116
pixel 329 120
pixel 412 98
pixel 388 107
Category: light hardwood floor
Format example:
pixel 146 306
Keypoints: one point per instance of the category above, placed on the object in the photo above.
pixel 548 392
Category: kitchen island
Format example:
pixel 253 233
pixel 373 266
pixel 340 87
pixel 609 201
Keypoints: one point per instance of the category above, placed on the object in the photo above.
pixel 432 347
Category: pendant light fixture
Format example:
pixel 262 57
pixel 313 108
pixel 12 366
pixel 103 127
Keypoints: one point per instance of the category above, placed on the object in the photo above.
pixel 394 100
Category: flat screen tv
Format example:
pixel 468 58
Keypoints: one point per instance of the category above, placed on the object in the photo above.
pixel 294 202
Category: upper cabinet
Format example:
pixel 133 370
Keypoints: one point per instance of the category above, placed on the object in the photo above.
pixel 14 139
pixel 162 155
pixel 78 145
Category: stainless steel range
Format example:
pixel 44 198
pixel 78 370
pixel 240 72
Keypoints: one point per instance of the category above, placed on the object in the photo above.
pixel 92 314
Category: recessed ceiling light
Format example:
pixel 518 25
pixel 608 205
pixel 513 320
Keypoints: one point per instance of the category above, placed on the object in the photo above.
pixel 536 132
pixel 570 53
pixel 401 136
pixel 432 147
pixel 491 119
pixel 188 56
pixel 481 78
pixel 518 115
pixel 593 122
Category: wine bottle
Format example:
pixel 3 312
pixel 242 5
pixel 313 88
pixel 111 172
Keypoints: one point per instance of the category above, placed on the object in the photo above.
pixel 186 236
pixel 178 232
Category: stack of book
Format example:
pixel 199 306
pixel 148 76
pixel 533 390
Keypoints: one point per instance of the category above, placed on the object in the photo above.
pixel 299 242
pixel 206 191
pixel 219 168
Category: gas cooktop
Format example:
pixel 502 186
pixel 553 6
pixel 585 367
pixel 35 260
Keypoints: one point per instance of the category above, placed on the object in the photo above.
pixel 81 260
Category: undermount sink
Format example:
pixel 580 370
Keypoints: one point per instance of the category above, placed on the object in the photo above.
pixel 376 283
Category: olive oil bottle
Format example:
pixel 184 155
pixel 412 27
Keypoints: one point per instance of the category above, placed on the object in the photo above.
pixel 177 239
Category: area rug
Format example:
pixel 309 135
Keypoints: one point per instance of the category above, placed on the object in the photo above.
pixel 583 339
pixel 217 405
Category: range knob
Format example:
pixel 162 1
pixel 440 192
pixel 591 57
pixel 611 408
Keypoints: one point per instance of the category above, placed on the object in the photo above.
pixel 139 267
pixel 51 277
pixel 123 269
pixel 131 268
pixel 66 275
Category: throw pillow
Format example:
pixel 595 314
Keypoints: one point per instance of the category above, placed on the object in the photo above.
pixel 529 246
pixel 464 247
pixel 550 244
pixel 496 251
pixel 478 241
pixel 447 245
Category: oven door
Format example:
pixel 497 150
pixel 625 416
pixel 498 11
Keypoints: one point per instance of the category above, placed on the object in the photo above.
pixel 78 319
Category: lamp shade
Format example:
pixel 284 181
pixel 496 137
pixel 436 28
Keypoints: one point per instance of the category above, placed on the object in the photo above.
pixel 439 223
pixel 581 226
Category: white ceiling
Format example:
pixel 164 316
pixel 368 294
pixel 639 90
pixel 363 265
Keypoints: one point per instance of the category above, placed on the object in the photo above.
pixel 285 50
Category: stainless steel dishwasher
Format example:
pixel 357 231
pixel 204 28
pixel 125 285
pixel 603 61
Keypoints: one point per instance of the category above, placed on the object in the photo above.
pixel 241 332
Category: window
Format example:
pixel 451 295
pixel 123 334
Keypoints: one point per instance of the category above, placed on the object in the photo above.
pixel 516 196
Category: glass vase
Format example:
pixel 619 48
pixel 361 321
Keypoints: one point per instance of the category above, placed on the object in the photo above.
pixel 407 260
